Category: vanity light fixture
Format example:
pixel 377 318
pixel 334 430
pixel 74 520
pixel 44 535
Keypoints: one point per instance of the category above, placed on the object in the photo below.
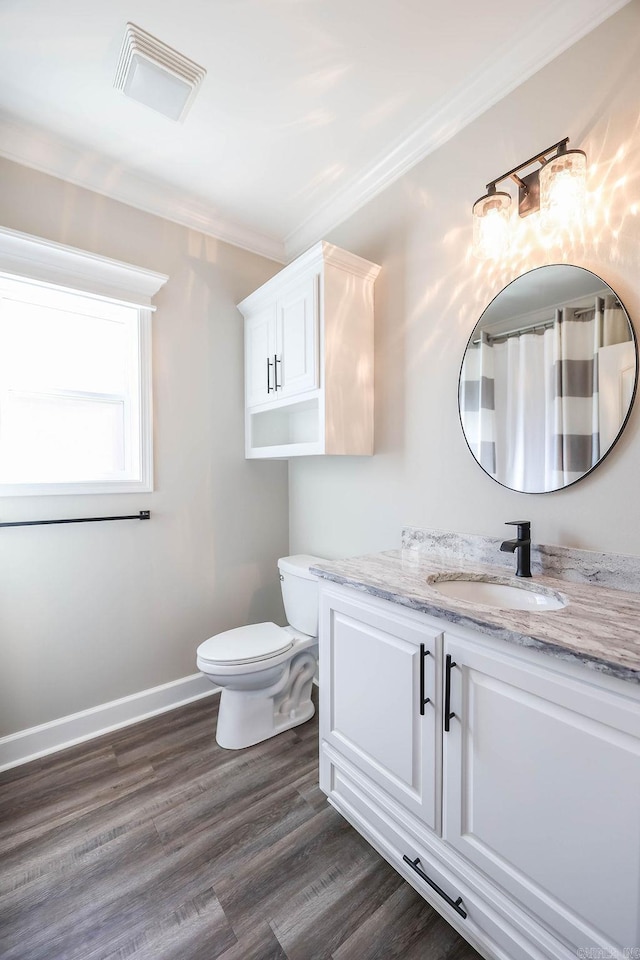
pixel 557 188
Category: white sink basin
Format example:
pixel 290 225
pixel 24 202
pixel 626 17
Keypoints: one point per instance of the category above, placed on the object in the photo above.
pixel 506 596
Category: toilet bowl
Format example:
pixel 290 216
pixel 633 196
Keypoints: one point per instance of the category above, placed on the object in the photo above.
pixel 266 671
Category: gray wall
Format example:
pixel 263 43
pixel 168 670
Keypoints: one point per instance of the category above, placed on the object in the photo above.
pixel 431 292
pixel 91 613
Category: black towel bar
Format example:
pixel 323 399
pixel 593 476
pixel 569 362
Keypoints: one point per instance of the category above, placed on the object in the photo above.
pixel 143 515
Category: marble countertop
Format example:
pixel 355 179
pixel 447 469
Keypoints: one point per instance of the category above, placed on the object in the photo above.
pixel 599 627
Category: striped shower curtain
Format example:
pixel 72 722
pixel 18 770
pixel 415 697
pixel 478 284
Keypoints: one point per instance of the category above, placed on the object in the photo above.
pixel 578 338
pixel 477 403
pixel 576 435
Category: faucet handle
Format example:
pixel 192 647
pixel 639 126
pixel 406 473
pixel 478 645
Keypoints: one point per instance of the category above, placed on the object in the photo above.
pixel 524 528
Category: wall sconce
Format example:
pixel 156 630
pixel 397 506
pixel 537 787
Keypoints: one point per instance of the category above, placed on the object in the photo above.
pixel 557 188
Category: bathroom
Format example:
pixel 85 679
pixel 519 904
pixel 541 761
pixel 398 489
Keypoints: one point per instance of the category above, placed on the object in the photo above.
pixel 99 623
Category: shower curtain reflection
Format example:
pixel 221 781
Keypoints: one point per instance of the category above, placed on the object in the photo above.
pixel 530 399
pixel 524 413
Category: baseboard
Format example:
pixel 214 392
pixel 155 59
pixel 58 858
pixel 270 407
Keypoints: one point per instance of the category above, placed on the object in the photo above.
pixel 26 745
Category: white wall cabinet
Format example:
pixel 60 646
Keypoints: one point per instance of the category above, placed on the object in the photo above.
pixel 281 345
pixel 309 357
pixel 259 353
pixel 297 340
pixel 518 816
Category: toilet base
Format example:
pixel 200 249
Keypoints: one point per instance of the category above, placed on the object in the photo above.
pixel 252 714
pixel 244 721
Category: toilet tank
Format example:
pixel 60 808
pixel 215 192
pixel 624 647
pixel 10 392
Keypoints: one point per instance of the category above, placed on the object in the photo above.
pixel 300 592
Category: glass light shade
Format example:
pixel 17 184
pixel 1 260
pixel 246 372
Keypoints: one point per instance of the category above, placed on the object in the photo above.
pixel 491 233
pixel 563 187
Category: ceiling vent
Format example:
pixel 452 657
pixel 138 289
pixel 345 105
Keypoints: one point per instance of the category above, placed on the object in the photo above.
pixel 154 74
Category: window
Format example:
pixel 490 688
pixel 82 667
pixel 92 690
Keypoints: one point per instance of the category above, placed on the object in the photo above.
pixel 75 384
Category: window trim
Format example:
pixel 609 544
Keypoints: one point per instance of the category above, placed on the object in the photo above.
pixel 29 258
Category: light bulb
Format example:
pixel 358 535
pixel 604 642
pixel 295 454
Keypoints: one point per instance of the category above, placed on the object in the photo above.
pixel 491 227
pixel 563 187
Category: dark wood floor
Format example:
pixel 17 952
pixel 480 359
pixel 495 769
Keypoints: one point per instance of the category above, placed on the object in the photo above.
pixel 153 843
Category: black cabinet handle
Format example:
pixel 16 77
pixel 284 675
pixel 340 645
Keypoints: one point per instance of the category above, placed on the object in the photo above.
pixel 269 387
pixel 424 653
pixel 448 715
pixel 455 904
pixel 277 360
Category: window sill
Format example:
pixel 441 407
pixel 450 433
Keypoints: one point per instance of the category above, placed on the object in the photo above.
pixel 74 489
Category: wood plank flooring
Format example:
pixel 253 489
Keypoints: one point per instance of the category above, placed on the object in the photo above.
pixel 153 843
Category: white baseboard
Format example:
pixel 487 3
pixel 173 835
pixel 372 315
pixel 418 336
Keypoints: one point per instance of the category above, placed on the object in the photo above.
pixel 56 735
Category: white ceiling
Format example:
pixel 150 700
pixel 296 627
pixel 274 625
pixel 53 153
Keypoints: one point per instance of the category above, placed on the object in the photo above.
pixel 309 107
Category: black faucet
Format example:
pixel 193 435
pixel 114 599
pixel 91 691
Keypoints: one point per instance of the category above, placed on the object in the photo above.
pixel 521 546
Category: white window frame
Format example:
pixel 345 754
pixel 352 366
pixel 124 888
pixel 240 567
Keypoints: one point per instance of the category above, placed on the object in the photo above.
pixel 24 257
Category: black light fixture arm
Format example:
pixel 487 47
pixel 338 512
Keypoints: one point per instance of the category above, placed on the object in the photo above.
pixel 560 147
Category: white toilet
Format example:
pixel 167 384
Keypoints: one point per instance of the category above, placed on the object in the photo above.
pixel 266 671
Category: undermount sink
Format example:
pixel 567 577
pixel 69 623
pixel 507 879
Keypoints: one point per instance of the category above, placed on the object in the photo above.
pixel 491 593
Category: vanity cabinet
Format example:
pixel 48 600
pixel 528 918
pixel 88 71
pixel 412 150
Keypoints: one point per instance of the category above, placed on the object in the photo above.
pixel 512 804
pixel 309 357
pixel 542 791
pixel 379 674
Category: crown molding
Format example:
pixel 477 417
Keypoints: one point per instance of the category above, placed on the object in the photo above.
pixel 317 256
pixel 538 45
pixel 48 153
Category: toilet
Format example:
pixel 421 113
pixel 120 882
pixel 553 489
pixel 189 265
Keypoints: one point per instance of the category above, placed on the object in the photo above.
pixel 266 671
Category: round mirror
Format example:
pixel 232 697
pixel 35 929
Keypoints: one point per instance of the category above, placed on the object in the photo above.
pixel 548 379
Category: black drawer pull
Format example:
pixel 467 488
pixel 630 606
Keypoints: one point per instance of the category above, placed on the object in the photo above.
pixel 424 653
pixel 448 715
pixel 277 360
pixel 269 387
pixel 455 904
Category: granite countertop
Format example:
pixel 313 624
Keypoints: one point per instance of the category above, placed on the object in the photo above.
pixel 599 627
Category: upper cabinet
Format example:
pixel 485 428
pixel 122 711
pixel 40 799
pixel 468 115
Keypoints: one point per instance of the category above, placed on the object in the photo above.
pixel 281 345
pixel 309 357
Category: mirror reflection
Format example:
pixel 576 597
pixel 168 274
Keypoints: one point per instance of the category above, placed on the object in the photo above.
pixel 548 379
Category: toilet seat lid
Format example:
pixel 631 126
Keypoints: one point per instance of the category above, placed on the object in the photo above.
pixel 258 641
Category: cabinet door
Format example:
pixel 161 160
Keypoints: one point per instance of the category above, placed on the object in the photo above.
pixel 297 339
pixel 259 350
pixel 541 792
pixel 374 666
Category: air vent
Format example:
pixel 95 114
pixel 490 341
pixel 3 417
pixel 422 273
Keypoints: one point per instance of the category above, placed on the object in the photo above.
pixel 153 73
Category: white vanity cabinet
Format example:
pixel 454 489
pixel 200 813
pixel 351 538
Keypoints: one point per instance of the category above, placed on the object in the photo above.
pixel 379 674
pixel 309 357
pixel 512 804
pixel 542 791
